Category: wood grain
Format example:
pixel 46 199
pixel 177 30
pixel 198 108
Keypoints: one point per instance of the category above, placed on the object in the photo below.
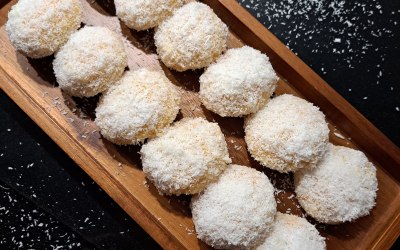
pixel 69 122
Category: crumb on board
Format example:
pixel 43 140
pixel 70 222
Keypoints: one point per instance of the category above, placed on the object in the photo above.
pixel 339 136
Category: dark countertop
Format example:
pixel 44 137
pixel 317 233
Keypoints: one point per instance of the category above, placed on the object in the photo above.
pixel 48 202
pixel 353 45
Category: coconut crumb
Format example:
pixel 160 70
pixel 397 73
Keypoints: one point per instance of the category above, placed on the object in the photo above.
pixel 239 83
pixel 289 133
pixel 221 212
pixel 39 28
pixel 192 38
pixel 186 157
pixel 91 60
pixel 141 105
pixel 290 232
pixel 342 188
pixel 339 136
pixel 145 14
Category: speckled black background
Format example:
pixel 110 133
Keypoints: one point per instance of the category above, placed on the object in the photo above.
pixel 353 44
pixel 48 202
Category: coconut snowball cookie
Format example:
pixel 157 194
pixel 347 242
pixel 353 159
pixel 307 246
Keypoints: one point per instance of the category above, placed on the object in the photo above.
pixel 187 157
pixel 342 188
pixel 39 28
pixel 237 211
pixel 138 107
pixel 192 38
pixel 287 134
pixel 91 60
pixel 291 232
pixel 239 83
pixel 145 14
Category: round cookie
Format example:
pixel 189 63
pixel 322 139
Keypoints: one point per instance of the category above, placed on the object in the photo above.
pixel 188 156
pixel 287 134
pixel 39 28
pixel 291 232
pixel 145 14
pixel 239 83
pixel 237 211
pixel 91 60
pixel 192 38
pixel 138 107
pixel 341 188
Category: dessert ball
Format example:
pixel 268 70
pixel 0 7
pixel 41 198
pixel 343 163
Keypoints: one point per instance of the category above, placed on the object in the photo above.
pixel 292 232
pixel 138 107
pixel 39 28
pixel 341 188
pixel 92 60
pixel 287 134
pixel 188 156
pixel 237 211
pixel 192 38
pixel 239 83
pixel 145 14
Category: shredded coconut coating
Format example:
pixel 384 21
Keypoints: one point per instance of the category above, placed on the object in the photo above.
pixel 138 107
pixel 341 188
pixel 239 83
pixel 39 28
pixel 145 14
pixel 92 60
pixel 291 232
pixel 237 211
pixel 287 134
pixel 191 154
pixel 192 38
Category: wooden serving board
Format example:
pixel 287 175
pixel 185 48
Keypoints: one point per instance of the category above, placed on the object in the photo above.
pixel 69 122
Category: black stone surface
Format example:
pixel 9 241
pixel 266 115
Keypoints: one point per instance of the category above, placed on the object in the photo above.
pixel 48 202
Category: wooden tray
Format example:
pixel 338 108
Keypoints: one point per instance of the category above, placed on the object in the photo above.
pixel 69 122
